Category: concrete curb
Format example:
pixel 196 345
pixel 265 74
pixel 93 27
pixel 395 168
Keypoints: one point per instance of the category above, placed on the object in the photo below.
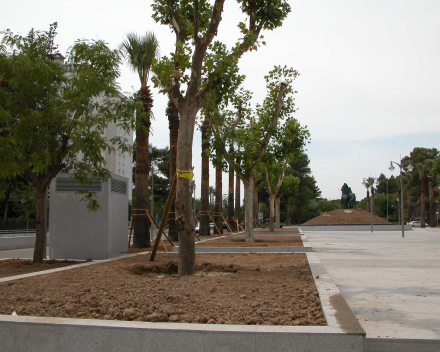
pixel 288 249
pixel 376 227
pixel 342 333
pixel 401 345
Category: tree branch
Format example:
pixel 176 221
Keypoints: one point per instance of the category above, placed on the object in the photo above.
pixel 173 18
pixel 200 50
pixel 280 180
pixel 224 152
pixel 196 21
pixel 273 122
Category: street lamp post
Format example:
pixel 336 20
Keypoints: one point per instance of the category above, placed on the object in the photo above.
pixel 410 168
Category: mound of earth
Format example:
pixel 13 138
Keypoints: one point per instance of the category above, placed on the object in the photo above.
pixel 346 217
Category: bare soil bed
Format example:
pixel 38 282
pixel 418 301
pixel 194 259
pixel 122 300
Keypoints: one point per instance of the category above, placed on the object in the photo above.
pixel 12 267
pixel 259 241
pixel 341 217
pixel 272 289
pixel 282 231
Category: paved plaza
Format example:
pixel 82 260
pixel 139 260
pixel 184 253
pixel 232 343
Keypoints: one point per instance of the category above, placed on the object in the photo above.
pixel 392 284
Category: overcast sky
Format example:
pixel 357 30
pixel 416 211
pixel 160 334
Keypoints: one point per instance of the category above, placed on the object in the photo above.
pixel 369 79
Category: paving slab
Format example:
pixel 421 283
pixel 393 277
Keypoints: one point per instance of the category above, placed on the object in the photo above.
pixel 391 283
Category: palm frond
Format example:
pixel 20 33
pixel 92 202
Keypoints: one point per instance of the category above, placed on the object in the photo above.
pixel 139 51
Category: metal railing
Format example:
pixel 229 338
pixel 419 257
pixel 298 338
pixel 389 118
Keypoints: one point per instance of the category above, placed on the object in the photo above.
pixel 17 233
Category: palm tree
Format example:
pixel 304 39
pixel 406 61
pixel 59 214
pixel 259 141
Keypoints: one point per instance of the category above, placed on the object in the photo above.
pixel 139 51
pixel 408 177
pixel 429 164
pixel 218 197
pixel 204 229
pixel 231 193
pixel 237 210
pixel 173 121
pixel 421 170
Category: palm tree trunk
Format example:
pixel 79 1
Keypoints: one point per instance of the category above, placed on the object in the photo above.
pixel 422 201
pixel 173 122
pixel 271 212
pixel 431 202
pixel 231 194
pixel 368 200
pixel 237 196
pixel 141 236
pixel 204 229
pixel 218 200
pixel 6 205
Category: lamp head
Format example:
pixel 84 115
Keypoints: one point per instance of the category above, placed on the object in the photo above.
pixel 391 168
pixel 410 168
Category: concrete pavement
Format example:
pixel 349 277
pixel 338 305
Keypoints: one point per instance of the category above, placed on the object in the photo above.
pixel 391 283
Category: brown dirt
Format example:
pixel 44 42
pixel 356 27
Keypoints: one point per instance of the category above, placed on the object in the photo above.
pixel 339 217
pixel 259 241
pixel 274 289
pixel 12 267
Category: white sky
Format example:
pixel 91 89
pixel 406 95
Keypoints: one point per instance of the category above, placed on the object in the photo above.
pixel 369 73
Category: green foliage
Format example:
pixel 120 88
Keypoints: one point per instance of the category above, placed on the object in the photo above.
pixel 51 112
pixel 300 199
pixel 199 60
pixel 423 160
pixel 263 130
pixel 140 51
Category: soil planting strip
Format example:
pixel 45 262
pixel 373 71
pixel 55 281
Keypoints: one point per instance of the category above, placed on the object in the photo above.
pixel 307 247
pixel 342 333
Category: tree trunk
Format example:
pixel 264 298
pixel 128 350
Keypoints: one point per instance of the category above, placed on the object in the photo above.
pixel 431 202
pixel 368 200
pixel 271 212
pixel 184 219
pixel 255 201
pixel 204 201
pixel 6 204
pixel 288 212
pixel 277 213
pixel 408 196
pixel 248 213
pixel 173 121
pixel 141 235
pixel 231 194
pixel 40 224
pixel 237 197
pixel 218 200
pixel 422 202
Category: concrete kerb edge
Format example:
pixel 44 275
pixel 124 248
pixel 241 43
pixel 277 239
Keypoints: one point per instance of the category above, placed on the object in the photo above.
pixel 66 268
pixel 342 333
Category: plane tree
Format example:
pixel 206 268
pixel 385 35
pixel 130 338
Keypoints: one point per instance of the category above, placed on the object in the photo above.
pixel 189 81
pixel 273 164
pixel 269 125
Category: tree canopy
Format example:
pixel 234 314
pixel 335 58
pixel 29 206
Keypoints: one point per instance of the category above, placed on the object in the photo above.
pixel 53 114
